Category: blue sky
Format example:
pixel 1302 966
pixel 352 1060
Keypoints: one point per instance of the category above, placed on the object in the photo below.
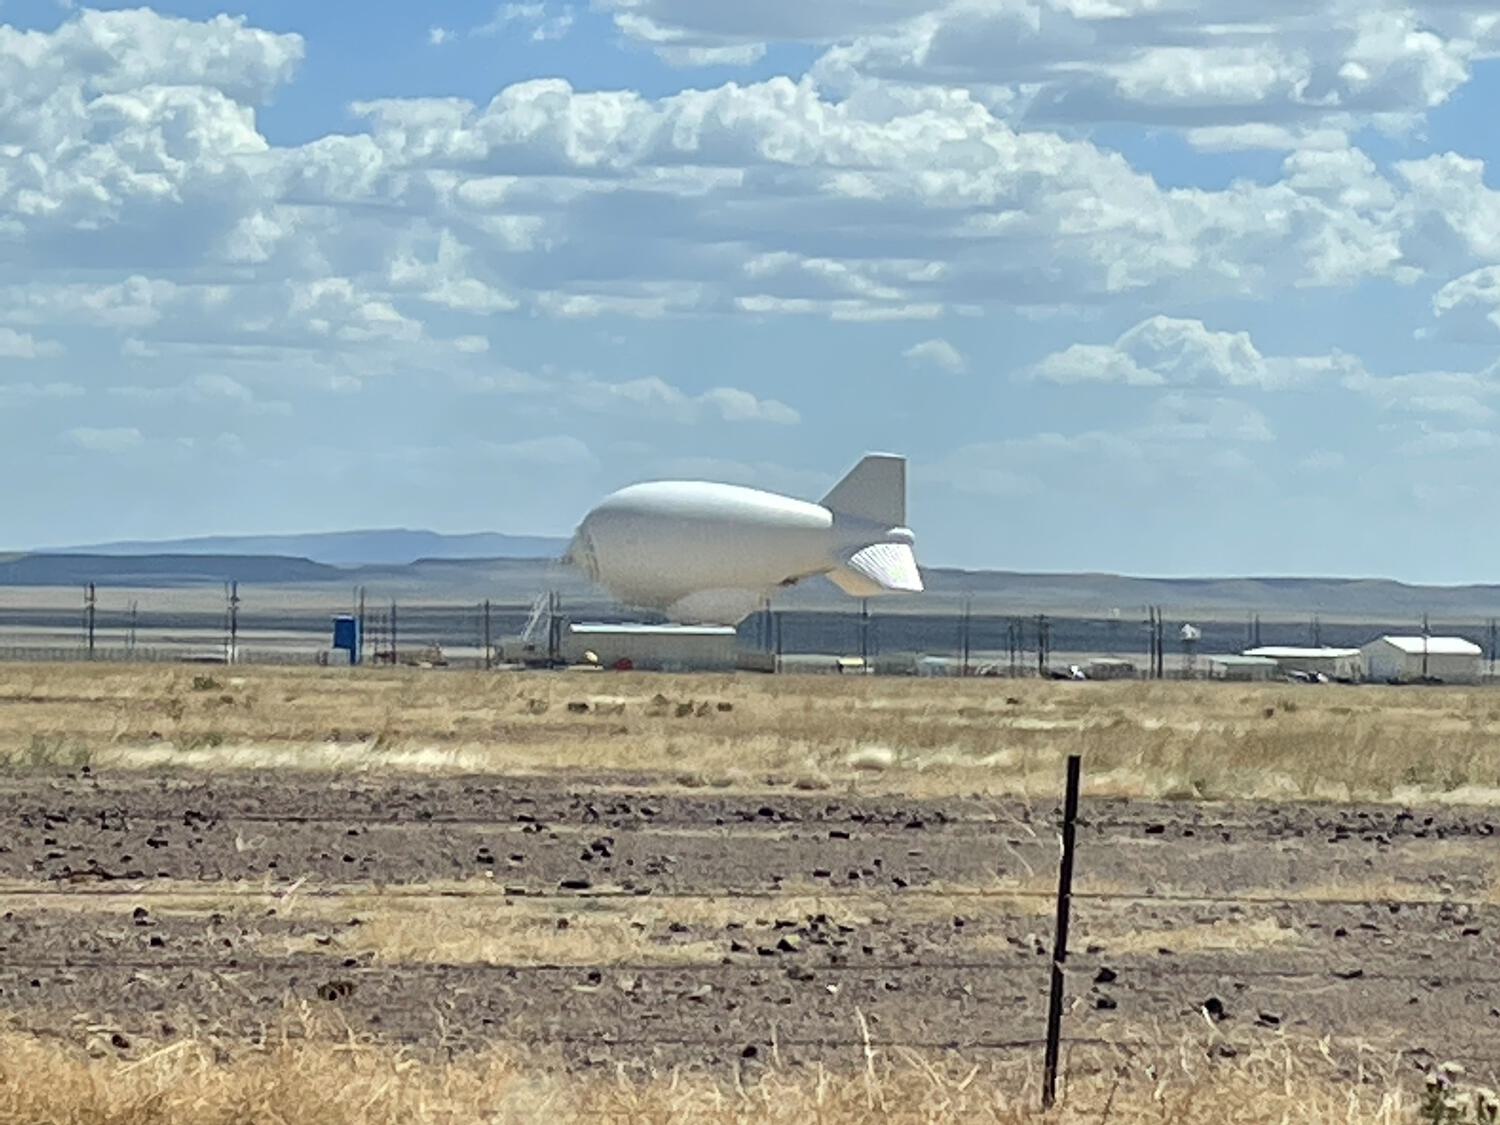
pixel 1138 285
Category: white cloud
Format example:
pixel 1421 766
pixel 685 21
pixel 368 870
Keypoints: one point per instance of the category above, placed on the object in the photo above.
pixel 1166 351
pixel 1445 443
pixel 539 21
pixel 937 353
pixel 1464 395
pixel 115 439
pixel 743 54
pixel 735 405
pixel 471 345
pixel 203 390
pixel 651 398
pixel 437 36
pixel 654 397
pixel 1469 306
pixel 560 451
pixel 1449 214
pixel 1226 63
pixel 23 345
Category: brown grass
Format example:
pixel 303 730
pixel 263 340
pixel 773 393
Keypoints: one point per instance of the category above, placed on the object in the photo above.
pixel 1205 741
pixel 328 1081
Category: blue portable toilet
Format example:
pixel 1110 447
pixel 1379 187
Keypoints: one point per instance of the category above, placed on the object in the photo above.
pixel 346 635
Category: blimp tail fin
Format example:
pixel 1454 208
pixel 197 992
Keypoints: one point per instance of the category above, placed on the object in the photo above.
pixel 874 490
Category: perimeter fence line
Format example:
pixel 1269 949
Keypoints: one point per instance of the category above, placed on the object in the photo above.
pixel 1155 642
pixel 1023 968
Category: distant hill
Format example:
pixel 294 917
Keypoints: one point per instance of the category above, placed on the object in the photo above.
pixel 518 581
pixel 161 571
pixel 389 547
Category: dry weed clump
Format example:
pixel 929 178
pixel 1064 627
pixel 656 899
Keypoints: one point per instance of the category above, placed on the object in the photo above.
pixel 298 1081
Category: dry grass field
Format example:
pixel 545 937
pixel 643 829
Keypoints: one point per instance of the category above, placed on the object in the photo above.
pixel 375 896
pixel 922 737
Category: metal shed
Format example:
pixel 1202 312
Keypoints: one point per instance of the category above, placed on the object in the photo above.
pixel 1335 663
pixel 1449 660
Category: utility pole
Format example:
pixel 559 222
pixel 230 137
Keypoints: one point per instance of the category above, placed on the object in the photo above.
pixel 1492 645
pixel 232 641
pixel 360 611
pixel 1426 631
pixel 395 650
pixel 130 637
pixel 1043 645
pixel 864 634
pixel 966 638
pixel 89 600
pixel 1317 632
pixel 489 661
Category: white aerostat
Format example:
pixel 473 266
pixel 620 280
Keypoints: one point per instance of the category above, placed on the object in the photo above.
pixel 709 554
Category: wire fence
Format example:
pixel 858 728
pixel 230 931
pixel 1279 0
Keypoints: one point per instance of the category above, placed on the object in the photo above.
pixel 260 625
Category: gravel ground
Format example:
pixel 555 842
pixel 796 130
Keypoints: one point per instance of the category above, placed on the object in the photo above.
pixel 137 908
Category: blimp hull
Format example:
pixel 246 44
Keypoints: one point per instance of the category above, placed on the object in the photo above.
pixel 707 553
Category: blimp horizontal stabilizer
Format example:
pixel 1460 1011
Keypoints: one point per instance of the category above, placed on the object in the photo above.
pixel 880 568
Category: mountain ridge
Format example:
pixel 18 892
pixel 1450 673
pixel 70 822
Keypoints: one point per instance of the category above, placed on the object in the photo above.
pixel 396 546
pixel 520 580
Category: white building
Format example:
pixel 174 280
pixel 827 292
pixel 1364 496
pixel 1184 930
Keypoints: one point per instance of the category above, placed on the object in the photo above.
pixel 1244 669
pixel 657 648
pixel 1449 660
pixel 1335 663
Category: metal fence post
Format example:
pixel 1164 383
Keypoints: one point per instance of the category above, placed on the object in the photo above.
pixel 1060 941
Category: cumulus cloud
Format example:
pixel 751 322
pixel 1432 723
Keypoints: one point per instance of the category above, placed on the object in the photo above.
pixel 1455 394
pixel 1166 351
pixel 539 21
pixel 650 399
pixel 204 390
pixel 937 353
pixel 655 397
pixel 1469 306
pixel 775 198
pixel 1225 65
pixel 23 345
pixel 114 439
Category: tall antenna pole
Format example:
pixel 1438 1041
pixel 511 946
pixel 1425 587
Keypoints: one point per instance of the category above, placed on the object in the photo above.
pixel 395 657
pixel 488 649
pixel 130 637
